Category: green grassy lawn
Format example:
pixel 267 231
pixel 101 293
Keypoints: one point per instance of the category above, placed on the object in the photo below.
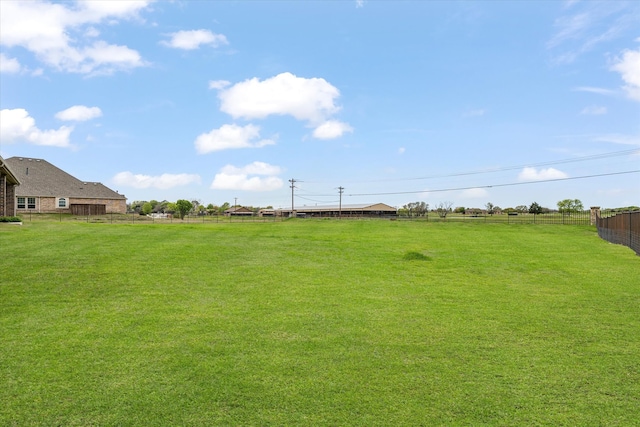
pixel 358 323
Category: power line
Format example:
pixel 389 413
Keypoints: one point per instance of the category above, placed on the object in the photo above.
pixel 508 168
pixel 316 201
pixel 487 171
pixel 496 185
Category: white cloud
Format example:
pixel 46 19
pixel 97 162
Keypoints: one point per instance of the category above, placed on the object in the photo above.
pixel 9 65
pixel 594 110
pixel 218 84
pixel 162 182
pixel 229 137
pixel 311 100
pixel 532 174
pixel 257 176
pixel 331 129
pixel 629 68
pixel 474 193
pixel 103 58
pixel 255 168
pixel 193 39
pixel 57 33
pixel 359 3
pixel 79 113
pixel 401 150
pixel 588 25
pixel 619 139
pixel 598 90
pixel 92 32
pixel 18 126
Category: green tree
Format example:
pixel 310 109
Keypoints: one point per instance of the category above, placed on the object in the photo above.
pixel 183 207
pixel 147 208
pixel 490 208
pixel 224 207
pixel 535 208
pixel 443 208
pixel 416 208
pixel 569 206
pixel 136 206
pixel 161 206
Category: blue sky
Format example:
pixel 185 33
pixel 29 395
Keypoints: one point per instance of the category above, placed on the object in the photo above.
pixel 507 102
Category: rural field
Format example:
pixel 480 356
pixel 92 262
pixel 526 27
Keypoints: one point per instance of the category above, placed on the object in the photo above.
pixel 317 322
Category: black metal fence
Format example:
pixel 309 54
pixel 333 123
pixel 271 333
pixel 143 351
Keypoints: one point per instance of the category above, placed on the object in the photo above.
pixel 135 218
pixel 574 218
pixel 623 228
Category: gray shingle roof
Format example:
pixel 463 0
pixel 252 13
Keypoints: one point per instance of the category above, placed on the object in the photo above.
pixel 42 179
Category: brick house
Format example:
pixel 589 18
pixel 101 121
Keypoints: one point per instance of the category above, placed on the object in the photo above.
pixel 44 188
pixel 8 184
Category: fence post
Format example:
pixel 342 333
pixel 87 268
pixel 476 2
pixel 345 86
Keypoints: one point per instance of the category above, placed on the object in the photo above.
pixel 629 234
pixel 595 213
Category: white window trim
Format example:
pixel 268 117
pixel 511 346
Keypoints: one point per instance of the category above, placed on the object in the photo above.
pixel 66 203
pixel 27 205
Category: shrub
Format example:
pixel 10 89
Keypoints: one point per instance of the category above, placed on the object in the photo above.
pixel 10 219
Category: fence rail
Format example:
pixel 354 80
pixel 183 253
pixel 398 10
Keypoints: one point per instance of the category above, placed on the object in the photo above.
pixel 576 218
pixel 134 218
pixel 622 228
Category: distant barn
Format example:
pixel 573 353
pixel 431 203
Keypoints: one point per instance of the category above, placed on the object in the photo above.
pixel 366 210
pixel 238 211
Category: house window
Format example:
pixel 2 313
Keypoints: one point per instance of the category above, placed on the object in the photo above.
pixel 62 202
pixel 26 202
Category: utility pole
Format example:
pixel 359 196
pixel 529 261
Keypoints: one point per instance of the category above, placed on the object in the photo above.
pixel 235 202
pixel 292 181
pixel 340 190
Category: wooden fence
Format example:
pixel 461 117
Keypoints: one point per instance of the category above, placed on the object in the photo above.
pixel 622 228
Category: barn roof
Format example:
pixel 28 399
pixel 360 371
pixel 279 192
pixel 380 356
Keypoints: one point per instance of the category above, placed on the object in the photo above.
pixel 40 178
pixel 363 207
pixel 238 209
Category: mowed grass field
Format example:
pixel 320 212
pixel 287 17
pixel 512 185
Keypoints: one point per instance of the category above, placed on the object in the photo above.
pixel 317 322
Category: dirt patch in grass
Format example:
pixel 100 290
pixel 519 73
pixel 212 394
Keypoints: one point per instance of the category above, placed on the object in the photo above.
pixel 415 256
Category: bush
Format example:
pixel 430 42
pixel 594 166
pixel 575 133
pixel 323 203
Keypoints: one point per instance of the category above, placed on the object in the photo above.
pixel 10 219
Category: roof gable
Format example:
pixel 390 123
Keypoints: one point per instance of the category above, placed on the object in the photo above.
pixel 238 209
pixel 5 171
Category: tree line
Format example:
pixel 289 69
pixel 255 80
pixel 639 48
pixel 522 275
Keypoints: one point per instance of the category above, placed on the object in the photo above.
pixel 418 209
pixel 182 207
